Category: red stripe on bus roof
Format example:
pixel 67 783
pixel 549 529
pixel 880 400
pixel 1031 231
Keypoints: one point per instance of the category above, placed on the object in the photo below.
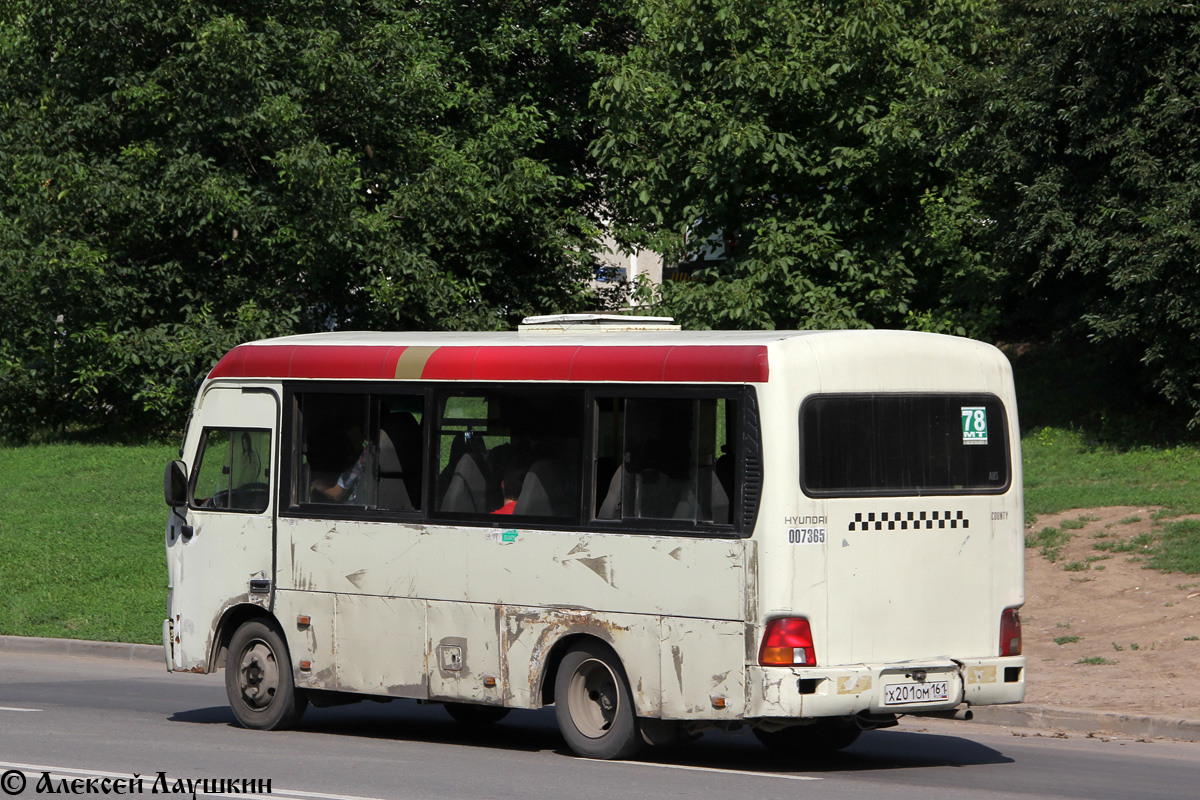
pixel 308 361
pixel 677 364
pixel 650 363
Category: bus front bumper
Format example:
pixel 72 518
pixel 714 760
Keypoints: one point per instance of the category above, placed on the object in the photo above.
pixel 931 685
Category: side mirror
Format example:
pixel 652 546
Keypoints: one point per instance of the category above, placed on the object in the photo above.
pixel 175 484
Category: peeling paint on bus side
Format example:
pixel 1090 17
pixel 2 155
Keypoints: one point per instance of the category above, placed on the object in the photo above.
pixel 375 628
pixel 599 566
pixel 464 652
pixel 854 684
pixel 314 642
pixel 674 576
pixel 196 650
pixel 380 642
pixel 986 674
pixel 696 661
pixel 751 632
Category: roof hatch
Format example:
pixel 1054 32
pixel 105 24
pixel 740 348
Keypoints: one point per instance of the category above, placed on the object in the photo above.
pixel 595 323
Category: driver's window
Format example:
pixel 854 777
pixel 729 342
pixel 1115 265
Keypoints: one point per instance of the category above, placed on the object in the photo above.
pixel 232 474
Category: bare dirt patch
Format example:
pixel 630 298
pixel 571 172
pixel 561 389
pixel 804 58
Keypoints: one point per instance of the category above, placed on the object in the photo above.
pixel 1103 632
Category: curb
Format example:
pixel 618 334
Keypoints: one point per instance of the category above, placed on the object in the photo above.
pixel 81 648
pixel 1081 721
pixel 1013 716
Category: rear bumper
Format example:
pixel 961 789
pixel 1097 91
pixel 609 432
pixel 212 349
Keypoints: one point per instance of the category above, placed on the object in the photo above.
pixel 792 692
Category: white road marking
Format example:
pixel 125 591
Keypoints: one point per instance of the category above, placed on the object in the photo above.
pixel 148 778
pixel 8 708
pixel 717 770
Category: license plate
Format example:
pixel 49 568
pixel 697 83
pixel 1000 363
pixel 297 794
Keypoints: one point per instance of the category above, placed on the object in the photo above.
pixel 898 694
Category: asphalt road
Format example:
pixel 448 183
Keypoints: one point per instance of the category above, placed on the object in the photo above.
pixel 73 718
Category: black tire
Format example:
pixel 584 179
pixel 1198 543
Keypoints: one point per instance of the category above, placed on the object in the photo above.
pixel 258 679
pixel 822 737
pixel 593 703
pixel 475 714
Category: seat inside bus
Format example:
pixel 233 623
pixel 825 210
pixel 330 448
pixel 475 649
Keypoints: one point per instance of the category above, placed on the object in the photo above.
pixel 466 491
pixel 399 482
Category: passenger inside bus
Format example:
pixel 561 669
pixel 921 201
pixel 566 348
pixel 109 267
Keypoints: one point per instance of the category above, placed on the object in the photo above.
pixel 344 487
pixel 511 486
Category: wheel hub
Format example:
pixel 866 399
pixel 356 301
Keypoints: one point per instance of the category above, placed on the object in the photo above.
pixel 258 675
pixel 593 700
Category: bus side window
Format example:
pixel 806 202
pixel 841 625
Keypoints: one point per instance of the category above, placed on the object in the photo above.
pixel 672 455
pixel 231 473
pixel 336 460
pixel 510 452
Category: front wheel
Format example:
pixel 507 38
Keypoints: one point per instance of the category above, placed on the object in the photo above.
pixel 594 705
pixel 258 679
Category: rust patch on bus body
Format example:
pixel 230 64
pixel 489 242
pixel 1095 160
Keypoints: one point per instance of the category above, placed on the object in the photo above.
pixel 557 624
pixel 325 679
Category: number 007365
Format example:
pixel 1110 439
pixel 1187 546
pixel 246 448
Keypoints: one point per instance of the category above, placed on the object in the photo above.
pixel 806 535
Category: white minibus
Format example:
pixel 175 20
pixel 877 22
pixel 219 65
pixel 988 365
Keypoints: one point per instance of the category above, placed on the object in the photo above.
pixel 657 531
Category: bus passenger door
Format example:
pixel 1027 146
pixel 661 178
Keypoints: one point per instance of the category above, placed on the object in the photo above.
pixel 220 554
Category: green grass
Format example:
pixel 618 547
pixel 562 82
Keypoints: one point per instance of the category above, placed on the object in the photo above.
pixel 1049 541
pixel 81 541
pixel 1143 541
pixel 1177 548
pixel 1095 661
pixel 1063 470
pixel 1061 640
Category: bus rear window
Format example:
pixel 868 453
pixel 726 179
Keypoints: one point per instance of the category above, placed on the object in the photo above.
pixel 901 444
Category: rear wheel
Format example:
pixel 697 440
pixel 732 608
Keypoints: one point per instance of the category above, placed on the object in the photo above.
pixel 824 736
pixel 594 705
pixel 475 714
pixel 258 679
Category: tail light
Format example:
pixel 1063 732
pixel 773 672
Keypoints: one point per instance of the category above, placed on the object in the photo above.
pixel 787 643
pixel 1010 633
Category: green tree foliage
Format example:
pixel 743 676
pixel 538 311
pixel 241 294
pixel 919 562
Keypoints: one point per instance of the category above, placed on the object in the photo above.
pixel 178 176
pixel 791 127
pixel 1081 122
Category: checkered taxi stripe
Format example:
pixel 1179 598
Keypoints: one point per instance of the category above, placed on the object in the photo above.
pixel 905 520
